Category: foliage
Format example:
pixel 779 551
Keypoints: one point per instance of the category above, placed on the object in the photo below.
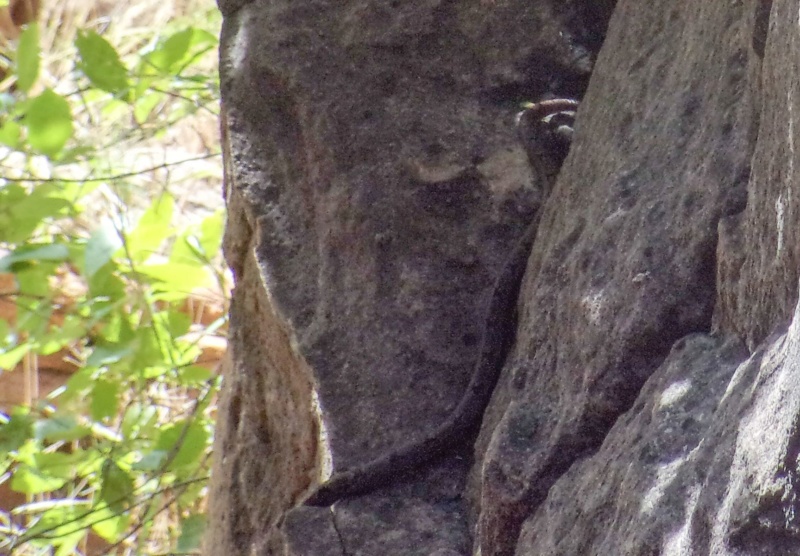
pixel 126 441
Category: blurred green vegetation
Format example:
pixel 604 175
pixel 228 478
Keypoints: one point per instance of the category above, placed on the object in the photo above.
pixel 101 257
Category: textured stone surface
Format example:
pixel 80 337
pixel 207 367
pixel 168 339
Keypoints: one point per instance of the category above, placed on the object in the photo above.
pixel 629 498
pixel 378 187
pixel 650 404
pixel 625 261
pixel 704 463
pixel 760 258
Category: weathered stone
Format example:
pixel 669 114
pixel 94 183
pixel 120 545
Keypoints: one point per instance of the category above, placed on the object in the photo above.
pixel 380 525
pixel 705 462
pixel 379 187
pixel 635 495
pixel 375 187
pixel 625 261
pixel 758 271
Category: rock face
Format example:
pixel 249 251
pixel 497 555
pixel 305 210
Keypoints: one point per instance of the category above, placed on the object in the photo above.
pixel 375 186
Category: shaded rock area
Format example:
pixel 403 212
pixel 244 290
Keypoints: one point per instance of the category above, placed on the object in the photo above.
pixel 705 462
pixel 624 264
pixel 375 187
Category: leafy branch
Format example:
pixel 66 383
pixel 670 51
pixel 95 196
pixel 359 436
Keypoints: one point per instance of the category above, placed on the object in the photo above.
pixel 119 452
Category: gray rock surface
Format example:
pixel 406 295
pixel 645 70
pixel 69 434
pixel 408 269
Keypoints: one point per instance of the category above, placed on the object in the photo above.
pixel 375 187
pixel 624 265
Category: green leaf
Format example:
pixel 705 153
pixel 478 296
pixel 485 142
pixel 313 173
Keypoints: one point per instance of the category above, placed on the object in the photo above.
pixel 58 464
pixel 33 317
pixel 28 57
pixel 108 524
pixel 16 431
pixel 108 354
pixel 187 250
pixel 100 62
pixel 12 193
pixel 10 357
pixel 118 327
pixel 42 202
pixel 34 281
pixel 171 51
pixel 102 245
pixel 139 419
pixel 151 461
pixel 49 123
pixel 117 486
pixel 194 443
pixel 181 278
pixel 105 399
pixel 30 480
pixel 113 109
pixel 177 51
pixel 145 105
pixel 52 252
pixel 105 283
pixel 193 375
pixel 10 133
pixel 64 525
pixel 201 245
pixel 24 215
pixel 211 228
pixel 78 384
pixel 153 228
pixel 148 352
pixel 65 544
pixel 72 328
pixel 59 427
pixel 174 323
pixel 192 530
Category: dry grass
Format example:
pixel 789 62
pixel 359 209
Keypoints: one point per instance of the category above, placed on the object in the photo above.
pixel 129 27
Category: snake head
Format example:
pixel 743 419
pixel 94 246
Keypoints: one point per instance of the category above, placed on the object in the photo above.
pixel 545 131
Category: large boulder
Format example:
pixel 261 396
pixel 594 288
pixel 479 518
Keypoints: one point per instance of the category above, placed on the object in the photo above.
pixel 375 186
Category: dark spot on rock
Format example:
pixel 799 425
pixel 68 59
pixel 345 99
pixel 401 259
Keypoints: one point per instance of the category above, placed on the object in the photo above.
pixel 469 339
pixel 626 124
pixel 519 377
pixel 585 262
pixel 261 430
pixel 656 213
pixel 691 202
pixel 234 410
pixel 737 64
pixel 477 155
pixel 452 198
pixel 761 26
pixel 387 84
pixel 522 428
pixel 727 128
pixel 434 149
pixel 691 106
